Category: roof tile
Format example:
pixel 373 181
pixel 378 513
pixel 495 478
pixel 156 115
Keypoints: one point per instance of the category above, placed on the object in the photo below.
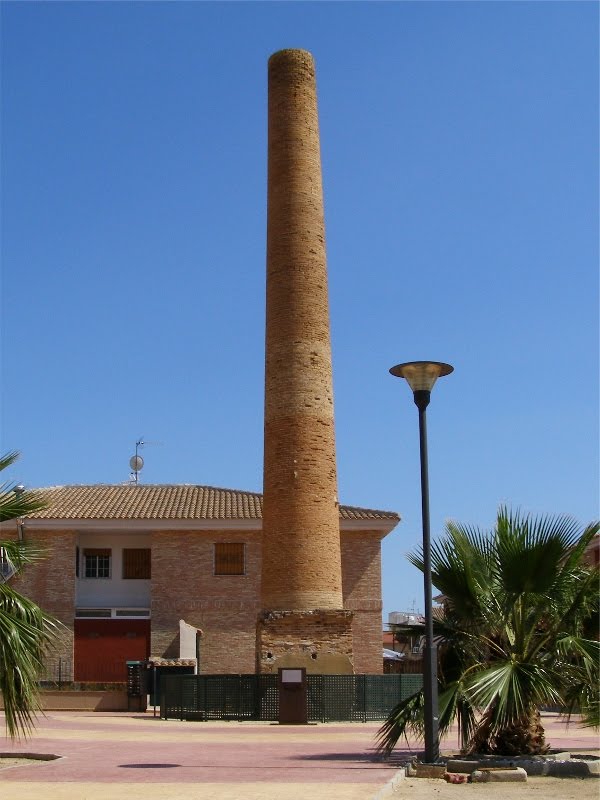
pixel 183 501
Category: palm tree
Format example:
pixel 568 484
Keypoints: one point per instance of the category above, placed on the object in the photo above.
pixel 26 632
pixel 514 636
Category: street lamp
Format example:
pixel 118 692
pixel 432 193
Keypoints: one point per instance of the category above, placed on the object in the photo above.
pixel 421 376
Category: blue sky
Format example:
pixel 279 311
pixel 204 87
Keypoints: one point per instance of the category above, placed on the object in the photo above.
pixel 459 145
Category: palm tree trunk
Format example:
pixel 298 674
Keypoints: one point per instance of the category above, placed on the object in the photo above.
pixel 524 736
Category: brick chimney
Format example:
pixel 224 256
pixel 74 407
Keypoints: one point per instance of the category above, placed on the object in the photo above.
pixel 303 622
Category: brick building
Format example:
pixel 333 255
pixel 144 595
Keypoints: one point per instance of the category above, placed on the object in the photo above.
pixel 130 570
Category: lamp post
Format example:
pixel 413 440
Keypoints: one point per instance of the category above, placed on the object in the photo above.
pixel 421 376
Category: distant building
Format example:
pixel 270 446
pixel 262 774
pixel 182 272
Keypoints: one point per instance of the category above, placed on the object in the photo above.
pixel 403 642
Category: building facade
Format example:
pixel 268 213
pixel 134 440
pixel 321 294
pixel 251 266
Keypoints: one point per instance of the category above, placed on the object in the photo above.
pixel 133 571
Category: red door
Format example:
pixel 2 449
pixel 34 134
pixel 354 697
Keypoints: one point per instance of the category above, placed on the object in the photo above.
pixel 103 646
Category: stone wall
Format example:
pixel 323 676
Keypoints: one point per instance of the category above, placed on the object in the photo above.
pixel 321 641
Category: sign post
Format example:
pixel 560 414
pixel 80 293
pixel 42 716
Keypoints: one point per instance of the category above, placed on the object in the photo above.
pixel 293 699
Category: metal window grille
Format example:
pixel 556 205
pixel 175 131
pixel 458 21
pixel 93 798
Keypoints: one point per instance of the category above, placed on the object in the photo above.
pixel 229 558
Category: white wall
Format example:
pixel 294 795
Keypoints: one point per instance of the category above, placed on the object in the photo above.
pixel 187 640
pixel 113 591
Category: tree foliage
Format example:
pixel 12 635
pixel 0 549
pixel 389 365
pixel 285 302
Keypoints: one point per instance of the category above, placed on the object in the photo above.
pixel 517 633
pixel 26 632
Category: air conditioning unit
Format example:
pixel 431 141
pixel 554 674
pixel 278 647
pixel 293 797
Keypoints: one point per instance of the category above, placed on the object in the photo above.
pixel 416 650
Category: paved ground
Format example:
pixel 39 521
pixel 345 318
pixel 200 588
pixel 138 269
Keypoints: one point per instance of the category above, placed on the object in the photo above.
pixel 131 756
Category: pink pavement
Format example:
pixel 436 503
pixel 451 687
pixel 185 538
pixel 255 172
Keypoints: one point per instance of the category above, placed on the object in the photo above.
pixel 129 751
pixel 140 751
pixel 102 747
pixel 569 736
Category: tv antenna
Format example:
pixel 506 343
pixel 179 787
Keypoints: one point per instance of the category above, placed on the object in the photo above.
pixel 136 462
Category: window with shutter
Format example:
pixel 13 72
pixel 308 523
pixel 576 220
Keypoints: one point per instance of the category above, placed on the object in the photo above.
pixel 229 558
pixel 136 563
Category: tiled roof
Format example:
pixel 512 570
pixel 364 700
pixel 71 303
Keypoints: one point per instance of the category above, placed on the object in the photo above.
pixel 144 501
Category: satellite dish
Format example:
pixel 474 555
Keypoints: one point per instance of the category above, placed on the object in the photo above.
pixel 136 463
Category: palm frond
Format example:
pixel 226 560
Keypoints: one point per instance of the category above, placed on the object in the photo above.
pixel 590 713
pixel 512 690
pixel 14 505
pixel 406 717
pixel 7 459
pixel 19 554
pixel 530 550
pixel 576 552
pixel 575 646
pixel 454 705
pixel 26 632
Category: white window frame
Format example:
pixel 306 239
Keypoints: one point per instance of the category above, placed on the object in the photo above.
pixel 83 569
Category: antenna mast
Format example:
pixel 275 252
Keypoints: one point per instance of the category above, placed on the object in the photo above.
pixel 136 462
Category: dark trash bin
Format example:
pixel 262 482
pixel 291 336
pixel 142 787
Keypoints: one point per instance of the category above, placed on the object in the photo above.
pixel 135 680
pixel 137 685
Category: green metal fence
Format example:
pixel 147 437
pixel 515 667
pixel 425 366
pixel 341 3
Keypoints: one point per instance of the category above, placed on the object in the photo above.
pixel 331 698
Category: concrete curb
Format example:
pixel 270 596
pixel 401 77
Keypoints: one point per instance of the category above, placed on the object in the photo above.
pixel 515 775
pixel 391 786
pixel 552 767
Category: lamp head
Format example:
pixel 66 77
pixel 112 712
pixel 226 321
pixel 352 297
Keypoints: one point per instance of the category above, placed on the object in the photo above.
pixel 421 375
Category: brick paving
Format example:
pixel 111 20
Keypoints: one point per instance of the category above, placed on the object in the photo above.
pixel 137 756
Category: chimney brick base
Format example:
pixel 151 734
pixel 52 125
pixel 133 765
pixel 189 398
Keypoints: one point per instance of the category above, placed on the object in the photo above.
pixel 319 640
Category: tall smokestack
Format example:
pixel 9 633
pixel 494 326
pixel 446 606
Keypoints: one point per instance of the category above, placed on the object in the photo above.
pixel 303 622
